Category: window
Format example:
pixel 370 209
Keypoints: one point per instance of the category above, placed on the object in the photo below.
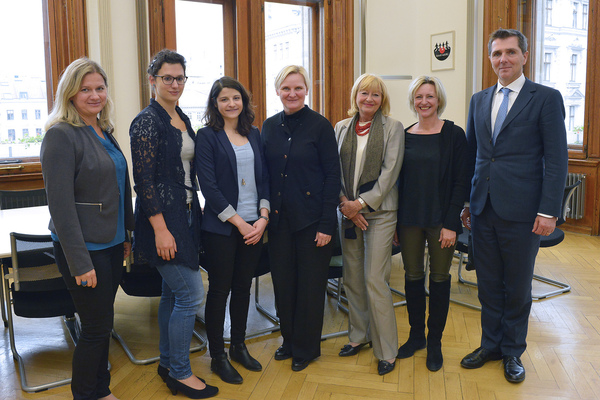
pixel 548 12
pixel 24 115
pixel 11 134
pixel 584 16
pixel 290 26
pixel 53 33
pixel 547 65
pixel 38 131
pixel 25 133
pixel 558 53
pixel 205 58
pixel 572 110
pixel 575 10
pixel 10 115
pixel 245 47
pixel 573 67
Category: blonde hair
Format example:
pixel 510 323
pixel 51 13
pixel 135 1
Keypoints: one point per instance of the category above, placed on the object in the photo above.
pixel 291 69
pixel 439 91
pixel 68 86
pixel 369 82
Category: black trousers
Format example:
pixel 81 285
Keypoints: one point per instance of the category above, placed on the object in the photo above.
pixel 504 253
pixel 231 264
pixel 95 306
pixel 299 270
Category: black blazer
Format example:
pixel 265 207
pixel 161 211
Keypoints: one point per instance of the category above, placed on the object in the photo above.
pixel 304 170
pixel 217 175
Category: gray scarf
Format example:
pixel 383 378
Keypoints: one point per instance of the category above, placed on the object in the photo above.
pixel 373 160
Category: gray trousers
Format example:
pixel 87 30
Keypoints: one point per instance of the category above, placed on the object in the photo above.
pixel 366 272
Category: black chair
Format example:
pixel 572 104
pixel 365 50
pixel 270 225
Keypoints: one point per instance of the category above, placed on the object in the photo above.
pixel 144 281
pixel 545 241
pixel 22 198
pixel 34 288
pixel 553 239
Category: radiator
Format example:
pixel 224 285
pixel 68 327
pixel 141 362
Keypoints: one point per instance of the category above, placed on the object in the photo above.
pixel 575 206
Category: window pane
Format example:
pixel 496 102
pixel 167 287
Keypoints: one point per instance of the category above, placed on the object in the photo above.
pixel 562 50
pixel 195 22
pixel 288 40
pixel 22 78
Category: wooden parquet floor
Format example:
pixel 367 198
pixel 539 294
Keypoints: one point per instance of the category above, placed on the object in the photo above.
pixel 562 359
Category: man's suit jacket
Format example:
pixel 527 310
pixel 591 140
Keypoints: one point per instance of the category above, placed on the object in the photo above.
pixel 384 194
pixel 525 171
pixel 218 176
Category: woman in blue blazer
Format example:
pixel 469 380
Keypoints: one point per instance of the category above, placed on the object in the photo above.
pixel 234 181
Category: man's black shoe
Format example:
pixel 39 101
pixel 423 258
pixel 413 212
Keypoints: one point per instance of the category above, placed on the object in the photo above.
pixel 479 357
pixel 514 371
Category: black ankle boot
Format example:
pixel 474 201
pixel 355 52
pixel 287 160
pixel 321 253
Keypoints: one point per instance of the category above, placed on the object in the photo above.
pixel 415 305
pixel 239 353
pixel 221 366
pixel 439 300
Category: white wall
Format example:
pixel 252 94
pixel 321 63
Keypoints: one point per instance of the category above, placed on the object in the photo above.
pixel 398 36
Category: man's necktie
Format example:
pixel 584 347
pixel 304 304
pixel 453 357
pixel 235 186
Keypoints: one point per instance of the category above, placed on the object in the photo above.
pixel 501 114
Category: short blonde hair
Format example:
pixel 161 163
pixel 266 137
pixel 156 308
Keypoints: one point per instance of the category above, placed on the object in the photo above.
pixel 68 86
pixel 291 69
pixel 439 91
pixel 369 82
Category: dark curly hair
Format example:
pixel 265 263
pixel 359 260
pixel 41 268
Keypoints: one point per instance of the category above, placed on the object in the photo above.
pixel 212 116
pixel 165 56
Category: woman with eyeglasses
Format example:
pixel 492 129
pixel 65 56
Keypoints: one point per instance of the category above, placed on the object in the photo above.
pixel 168 218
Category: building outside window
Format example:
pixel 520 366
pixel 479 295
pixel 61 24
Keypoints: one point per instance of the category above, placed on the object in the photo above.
pixel 548 12
pixel 24 115
pixel 575 11
pixel 25 133
pixel 11 134
pixel 23 95
pixel 10 115
pixel 38 131
pixel 572 110
pixel 584 16
pixel 573 67
pixel 547 65
pixel 38 114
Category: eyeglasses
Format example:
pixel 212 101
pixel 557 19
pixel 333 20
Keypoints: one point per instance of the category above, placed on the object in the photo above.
pixel 168 79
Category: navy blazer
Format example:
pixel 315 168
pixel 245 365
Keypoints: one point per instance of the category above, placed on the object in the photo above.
pixel 217 175
pixel 525 171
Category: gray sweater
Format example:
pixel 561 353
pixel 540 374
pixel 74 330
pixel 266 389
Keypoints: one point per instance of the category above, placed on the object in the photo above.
pixel 82 190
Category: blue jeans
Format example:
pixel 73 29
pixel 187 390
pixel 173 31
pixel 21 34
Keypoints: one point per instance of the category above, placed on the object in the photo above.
pixel 182 294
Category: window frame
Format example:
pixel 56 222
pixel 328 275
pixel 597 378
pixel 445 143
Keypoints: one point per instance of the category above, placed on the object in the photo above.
pixel 65 40
pixel 331 85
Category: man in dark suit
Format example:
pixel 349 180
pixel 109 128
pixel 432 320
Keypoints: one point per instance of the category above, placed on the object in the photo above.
pixel 518 157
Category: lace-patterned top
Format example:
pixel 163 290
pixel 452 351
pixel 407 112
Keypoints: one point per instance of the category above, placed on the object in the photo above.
pixel 159 178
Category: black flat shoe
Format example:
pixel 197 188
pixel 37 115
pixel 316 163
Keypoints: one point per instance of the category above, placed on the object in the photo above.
pixel 384 367
pixel 298 364
pixel 221 366
pixel 282 353
pixel 176 386
pixel 514 372
pixel 349 350
pixel 164 374
pixel 479 357
pixel 239 353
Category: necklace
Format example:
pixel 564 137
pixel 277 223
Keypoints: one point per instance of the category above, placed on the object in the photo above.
pixel 362 130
